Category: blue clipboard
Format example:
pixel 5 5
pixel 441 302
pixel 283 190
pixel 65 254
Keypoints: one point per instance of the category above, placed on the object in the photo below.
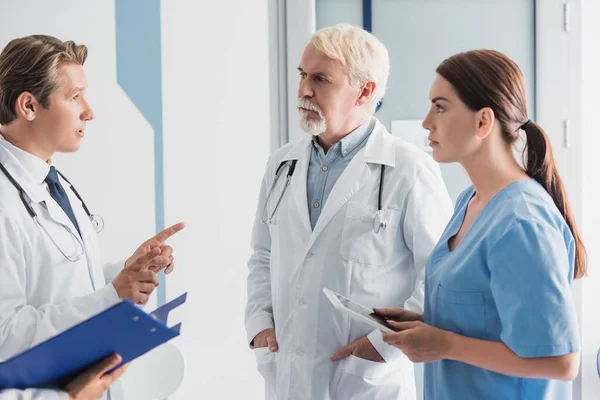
pixel 123 329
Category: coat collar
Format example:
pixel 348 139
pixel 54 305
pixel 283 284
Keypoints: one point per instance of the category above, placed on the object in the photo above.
pixel 379 149
pixel 16 162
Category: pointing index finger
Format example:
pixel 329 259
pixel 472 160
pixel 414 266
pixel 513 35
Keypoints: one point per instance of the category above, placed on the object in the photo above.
pixel 167 233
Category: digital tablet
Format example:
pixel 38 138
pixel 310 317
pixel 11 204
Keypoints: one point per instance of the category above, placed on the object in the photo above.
pixel 358 311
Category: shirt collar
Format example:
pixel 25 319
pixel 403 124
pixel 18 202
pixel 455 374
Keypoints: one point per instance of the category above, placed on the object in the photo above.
pixel 35 166
pixel 353 139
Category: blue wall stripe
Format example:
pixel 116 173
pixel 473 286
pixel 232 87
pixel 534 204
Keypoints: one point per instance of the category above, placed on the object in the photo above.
pixel 367 12
pixel 367 9
pixel 139 73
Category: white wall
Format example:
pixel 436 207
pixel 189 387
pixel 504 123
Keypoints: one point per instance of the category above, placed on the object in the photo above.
pixel 590 195
pixel 217 139
pixel 216 144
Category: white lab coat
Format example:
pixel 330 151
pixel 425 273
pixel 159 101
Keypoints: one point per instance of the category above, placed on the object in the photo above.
pixel 291 264
pixel 41 292
pixel 33 394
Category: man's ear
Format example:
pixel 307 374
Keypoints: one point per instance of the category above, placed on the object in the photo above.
pixel 27 106
pixel 485 122
pixel 366 92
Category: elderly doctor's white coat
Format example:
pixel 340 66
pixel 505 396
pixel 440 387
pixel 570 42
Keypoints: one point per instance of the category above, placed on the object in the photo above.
pixel 41 292
pixel 291 264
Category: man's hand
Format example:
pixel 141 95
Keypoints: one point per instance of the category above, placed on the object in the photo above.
pixel 137 281
pixel 399 314
pixel 92 384
pixel 157 241
pixel 266 338
pixel 360 348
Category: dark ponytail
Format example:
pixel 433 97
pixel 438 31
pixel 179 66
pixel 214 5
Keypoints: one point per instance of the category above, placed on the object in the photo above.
pixel 540 165
pixel 487 78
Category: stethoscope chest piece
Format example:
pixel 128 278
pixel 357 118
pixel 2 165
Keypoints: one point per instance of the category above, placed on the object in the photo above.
pixel 378 222
pixel 97 222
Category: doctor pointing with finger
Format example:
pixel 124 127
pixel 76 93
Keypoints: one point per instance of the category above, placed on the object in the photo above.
pixel 348 207
pixel 51 273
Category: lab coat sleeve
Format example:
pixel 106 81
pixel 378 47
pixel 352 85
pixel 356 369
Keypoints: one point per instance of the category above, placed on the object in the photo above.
pixel 23 325
pixel 427 210
pixel 33 394
pixel 389 353
pixel 111 270
pixel 259 309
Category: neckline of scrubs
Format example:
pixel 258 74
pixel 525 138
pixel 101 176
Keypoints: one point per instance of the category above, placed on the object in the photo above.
pixel 460 216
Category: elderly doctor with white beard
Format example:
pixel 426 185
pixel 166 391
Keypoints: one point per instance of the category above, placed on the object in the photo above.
pixel 350 208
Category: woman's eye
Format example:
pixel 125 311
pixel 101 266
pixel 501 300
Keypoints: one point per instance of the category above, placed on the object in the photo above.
pixel 439 108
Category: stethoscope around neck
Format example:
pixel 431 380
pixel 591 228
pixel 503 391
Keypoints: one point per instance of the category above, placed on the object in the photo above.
pixel 379 222
pixel 96 220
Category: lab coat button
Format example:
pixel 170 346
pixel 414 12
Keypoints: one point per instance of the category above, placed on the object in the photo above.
pixel 309 255
pixel 300 351
pixel 302 301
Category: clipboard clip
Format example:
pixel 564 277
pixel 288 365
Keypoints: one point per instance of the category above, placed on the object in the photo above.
pixel 162 312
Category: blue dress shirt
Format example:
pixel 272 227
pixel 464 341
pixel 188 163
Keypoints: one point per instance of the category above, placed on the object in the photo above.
pixel 325 169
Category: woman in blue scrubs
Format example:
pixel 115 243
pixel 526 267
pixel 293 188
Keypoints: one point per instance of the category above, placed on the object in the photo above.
pixel 499 320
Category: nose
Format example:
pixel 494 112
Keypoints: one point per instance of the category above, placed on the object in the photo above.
pixel 305 89
pixel 427 124
pixel 88 113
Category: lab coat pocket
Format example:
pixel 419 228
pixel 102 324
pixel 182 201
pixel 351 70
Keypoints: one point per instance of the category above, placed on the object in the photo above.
pixel 461 312
pixel 267 366
pixel 361 244
pixel 360 367
pixel 364 379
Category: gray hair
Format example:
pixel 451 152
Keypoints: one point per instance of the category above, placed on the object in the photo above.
pixel 363 56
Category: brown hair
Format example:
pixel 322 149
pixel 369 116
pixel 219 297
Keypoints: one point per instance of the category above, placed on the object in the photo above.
pixel 487 78
pixel 32 64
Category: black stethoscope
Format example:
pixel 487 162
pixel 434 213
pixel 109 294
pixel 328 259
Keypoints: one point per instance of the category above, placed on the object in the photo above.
pixel 291 164
pixel 96 220
pixel 378 221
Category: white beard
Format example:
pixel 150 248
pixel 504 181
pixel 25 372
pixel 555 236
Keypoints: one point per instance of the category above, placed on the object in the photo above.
pixel 307 124
pixel 311 126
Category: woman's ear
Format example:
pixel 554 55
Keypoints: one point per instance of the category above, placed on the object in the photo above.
pixel 485 122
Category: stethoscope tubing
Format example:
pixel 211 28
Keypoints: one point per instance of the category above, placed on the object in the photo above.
pixel 378 221
pixel 96 220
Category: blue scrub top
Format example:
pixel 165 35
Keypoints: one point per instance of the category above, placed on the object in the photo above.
pixel 507 280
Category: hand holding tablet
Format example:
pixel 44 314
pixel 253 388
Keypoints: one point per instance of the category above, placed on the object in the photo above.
pixel 358 311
